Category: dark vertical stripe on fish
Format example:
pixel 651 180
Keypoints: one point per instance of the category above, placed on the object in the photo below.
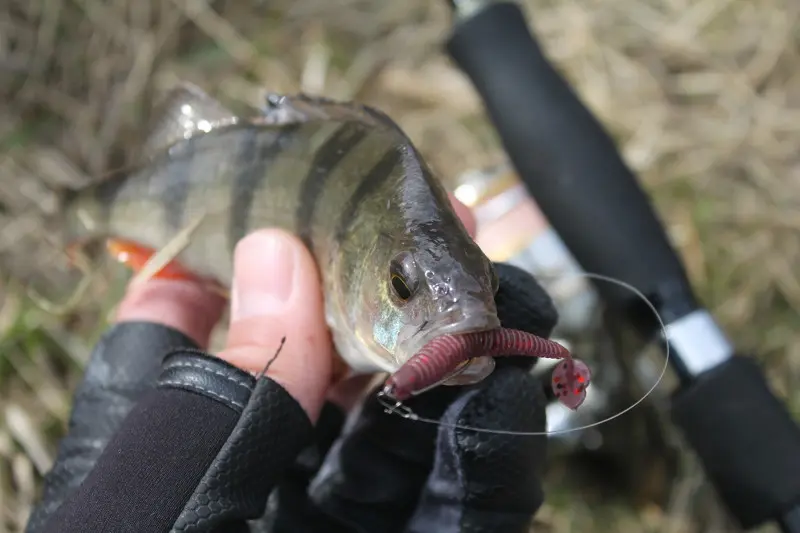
pixel 329 155
pixel 176 189
pixel 371 182
pixel 259 148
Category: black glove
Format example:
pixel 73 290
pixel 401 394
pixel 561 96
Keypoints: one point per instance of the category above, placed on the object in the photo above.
pixel 123 367
pixel 389 474
pixel 384 473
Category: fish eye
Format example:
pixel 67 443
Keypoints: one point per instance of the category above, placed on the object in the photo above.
pixel 400 287
pixel 402 276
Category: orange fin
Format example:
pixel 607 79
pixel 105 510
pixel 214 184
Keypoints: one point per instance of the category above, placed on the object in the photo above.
pixel 135 256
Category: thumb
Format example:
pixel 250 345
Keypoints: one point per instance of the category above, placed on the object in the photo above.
pixel 276 293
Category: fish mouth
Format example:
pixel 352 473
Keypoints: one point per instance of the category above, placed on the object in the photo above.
pixel 470 325
pixel 470 371
pixel 464 323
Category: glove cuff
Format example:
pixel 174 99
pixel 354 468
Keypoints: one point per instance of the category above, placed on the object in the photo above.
pixel 123 367
pixel 196 371
pixel 271 430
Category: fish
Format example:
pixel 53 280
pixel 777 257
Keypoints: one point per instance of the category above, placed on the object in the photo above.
pixel 398 268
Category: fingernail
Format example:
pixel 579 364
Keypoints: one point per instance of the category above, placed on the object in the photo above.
pixel 263 277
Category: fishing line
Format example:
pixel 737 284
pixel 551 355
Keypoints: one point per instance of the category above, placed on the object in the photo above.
pixel 399 409
pixel 272 360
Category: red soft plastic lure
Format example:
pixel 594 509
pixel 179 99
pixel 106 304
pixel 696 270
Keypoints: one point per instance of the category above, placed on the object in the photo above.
pixel 569 381
pixel 442 356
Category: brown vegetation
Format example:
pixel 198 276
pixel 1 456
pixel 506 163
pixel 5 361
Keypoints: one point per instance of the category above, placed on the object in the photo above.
pixel 703 97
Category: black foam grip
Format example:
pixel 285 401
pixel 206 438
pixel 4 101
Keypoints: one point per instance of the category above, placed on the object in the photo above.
pixel 567 160
pixel 747 441
pixel 790 522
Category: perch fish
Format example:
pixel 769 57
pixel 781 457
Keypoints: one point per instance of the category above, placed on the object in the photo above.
pixel 398 268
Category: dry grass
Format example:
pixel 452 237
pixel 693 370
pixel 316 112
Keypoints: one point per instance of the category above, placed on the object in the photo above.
pixel 704 98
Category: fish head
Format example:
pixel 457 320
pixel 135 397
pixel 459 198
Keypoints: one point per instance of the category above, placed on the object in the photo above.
pixel 429 284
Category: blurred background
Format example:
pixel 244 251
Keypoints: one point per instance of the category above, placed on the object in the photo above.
pixel 703 98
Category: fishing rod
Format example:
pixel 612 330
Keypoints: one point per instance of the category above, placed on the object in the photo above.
pixel 747 441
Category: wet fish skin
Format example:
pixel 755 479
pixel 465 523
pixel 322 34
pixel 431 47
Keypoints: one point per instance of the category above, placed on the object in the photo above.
pixel 342 177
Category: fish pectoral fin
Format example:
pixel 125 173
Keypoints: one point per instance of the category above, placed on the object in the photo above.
pixel 186 110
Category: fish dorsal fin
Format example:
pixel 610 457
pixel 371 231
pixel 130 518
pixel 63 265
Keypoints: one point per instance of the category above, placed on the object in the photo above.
pixel 186 110
pixel 281 109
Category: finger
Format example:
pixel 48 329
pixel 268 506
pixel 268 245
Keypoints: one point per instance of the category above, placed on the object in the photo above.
pixel 487 481
pixel 276 293
pixel 465 214
pixel 181 305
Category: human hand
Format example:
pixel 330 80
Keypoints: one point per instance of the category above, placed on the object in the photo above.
pixel 276 294
pixel 162 316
